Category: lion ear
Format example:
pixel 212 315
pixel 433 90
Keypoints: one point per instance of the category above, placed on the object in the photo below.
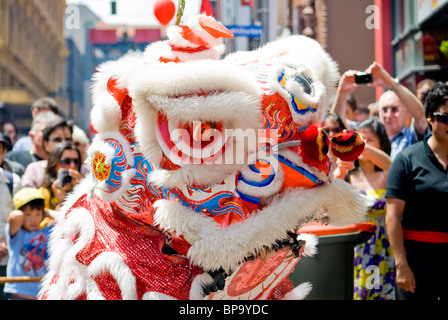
pixel 214 28
pixel 119 94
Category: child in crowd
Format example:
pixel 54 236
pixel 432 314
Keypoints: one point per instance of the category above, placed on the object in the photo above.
pixel 27 232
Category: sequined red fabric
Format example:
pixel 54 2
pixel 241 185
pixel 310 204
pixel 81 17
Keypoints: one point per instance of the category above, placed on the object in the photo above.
pixel 140 248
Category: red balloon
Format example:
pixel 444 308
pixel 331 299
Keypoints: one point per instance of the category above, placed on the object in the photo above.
pixel 164 10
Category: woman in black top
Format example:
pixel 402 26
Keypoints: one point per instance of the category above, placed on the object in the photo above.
pixel 417 214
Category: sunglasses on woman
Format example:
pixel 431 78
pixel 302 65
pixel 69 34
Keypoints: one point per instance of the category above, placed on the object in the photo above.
pixel 59 140
pixel 68 161
pixel 441 117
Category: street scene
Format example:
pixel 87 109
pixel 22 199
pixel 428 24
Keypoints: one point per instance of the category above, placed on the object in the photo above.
pixel 230 150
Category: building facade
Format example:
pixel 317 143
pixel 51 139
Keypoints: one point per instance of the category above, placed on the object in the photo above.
pixel 344 29
pixel 78 20
pixel 32 54
pixel 419 40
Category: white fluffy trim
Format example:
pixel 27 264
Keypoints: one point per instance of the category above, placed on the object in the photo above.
pixel 197 286
pixel 217 247
pixel 311 244
pixel 72 275
pixel 300 292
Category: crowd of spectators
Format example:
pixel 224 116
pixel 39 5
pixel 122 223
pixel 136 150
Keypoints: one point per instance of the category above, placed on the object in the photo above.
pixel 31 191
pixel 403 173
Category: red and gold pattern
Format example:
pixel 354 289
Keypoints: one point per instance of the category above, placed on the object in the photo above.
pixel 100 169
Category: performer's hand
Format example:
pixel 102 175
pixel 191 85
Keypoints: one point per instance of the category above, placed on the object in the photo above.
pixel 405 278
pixel 292 241
pixel 219 281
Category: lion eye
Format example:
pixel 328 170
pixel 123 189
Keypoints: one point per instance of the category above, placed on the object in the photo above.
pixel 306 83
pixel 203 131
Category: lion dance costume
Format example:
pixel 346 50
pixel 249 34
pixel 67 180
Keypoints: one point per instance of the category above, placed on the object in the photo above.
pixel 201 169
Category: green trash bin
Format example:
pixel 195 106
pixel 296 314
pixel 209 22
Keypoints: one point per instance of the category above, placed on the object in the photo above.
pixel 330 271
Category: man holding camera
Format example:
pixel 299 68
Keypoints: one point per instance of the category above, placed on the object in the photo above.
pixel 400 111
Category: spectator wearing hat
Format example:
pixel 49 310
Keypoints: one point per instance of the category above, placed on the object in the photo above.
pixel 27 232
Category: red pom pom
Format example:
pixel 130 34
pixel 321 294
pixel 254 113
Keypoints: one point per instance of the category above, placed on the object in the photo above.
pixel 314 145
pixel 347 146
